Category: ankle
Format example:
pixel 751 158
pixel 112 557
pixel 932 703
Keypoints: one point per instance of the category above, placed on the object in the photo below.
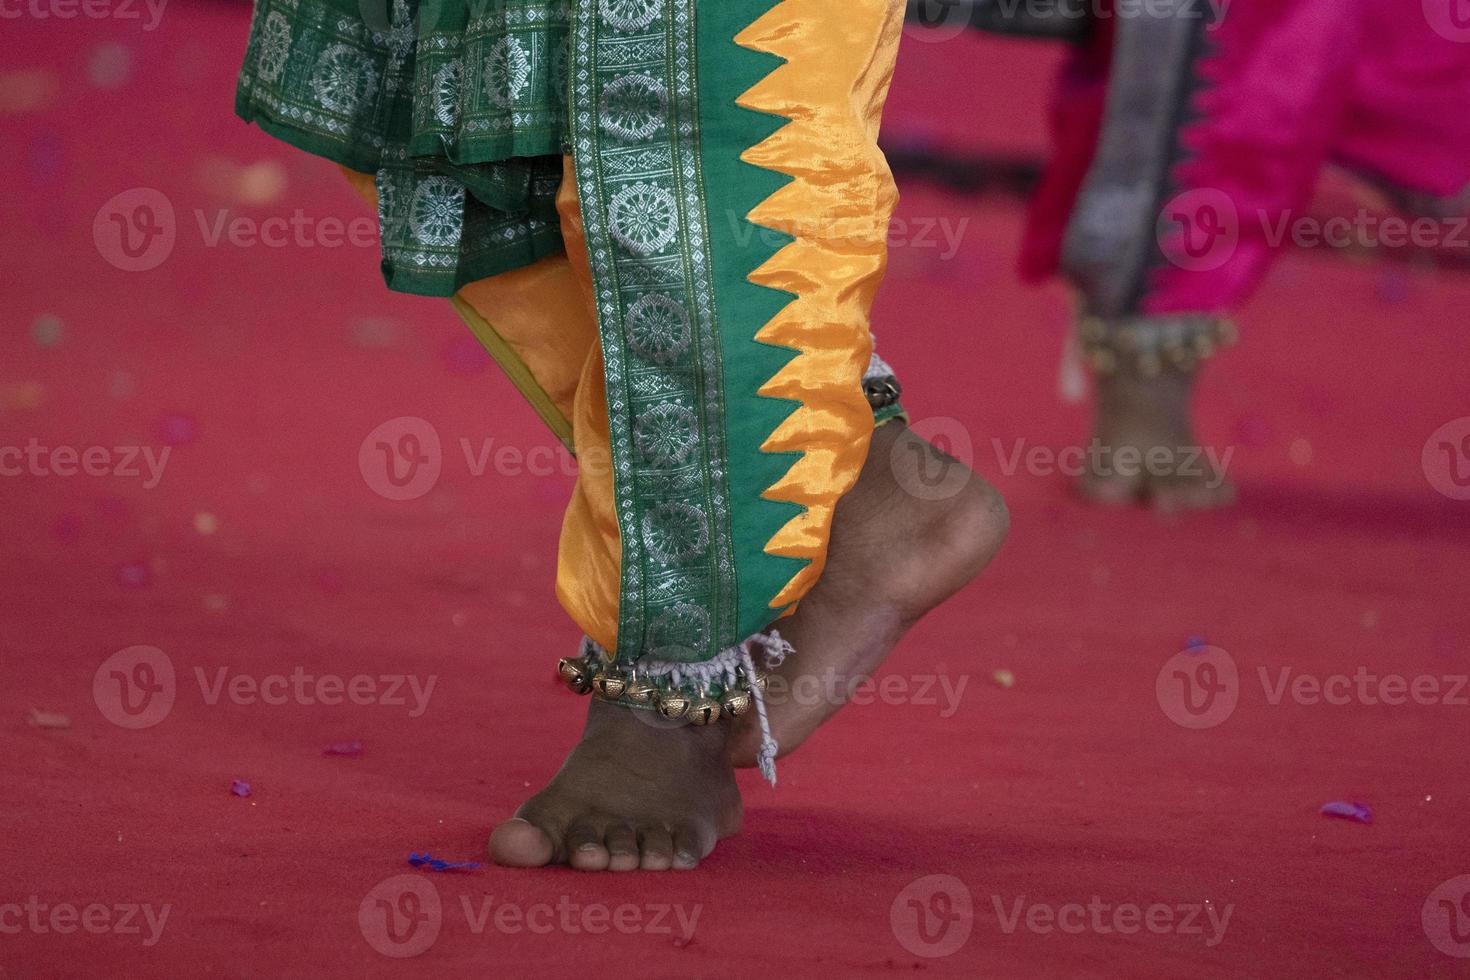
pixel 647 730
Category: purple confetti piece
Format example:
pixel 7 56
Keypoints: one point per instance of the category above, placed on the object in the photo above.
pixel 177 430
pixel 1347 811
pixel 349 750
pixel 426 860
pixel 1195 643
pixel 47 152
pixel 68 528
pixel 134 575
pixel 239 788
pixel 1393 287
pixel 1253 430
pixel 465 355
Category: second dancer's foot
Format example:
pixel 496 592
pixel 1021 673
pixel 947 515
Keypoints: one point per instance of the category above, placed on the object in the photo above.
pixel 1165 465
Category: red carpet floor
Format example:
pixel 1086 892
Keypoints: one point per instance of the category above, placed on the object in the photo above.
pixel 262 550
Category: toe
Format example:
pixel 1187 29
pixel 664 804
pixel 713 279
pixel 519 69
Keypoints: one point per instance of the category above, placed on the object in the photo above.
pixel 691 845
pixel 622 848
pixel 519 843
pixel 585 850
pixel 657 846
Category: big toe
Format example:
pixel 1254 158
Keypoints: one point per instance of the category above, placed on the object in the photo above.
pixel 519 843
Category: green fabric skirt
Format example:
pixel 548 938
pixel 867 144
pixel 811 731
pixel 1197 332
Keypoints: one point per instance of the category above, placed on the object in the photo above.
pixel 459 107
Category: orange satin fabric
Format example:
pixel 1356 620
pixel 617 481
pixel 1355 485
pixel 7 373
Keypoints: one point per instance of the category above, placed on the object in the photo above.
pixel 839 65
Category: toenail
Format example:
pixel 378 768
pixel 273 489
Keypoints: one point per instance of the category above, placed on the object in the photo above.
pixel 589 847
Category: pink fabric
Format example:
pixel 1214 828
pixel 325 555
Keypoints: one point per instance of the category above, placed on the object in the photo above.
pixel 1379 86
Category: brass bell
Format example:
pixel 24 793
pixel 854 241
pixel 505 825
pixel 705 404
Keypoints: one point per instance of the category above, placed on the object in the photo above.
pixel 672 705
pixel 737 703
pixel 881 392
pixel 640 692
pixel 575 675
pixel 1181 357
pixel 1103 361
pixel 759 683
pixel 705 711
pixel 610 686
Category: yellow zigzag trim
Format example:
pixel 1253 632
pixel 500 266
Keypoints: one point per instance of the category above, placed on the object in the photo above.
pixel 839 61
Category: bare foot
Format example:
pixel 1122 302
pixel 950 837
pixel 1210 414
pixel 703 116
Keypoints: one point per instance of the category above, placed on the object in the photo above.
pixel 915 529
pixel 633 794
pixel 1145 449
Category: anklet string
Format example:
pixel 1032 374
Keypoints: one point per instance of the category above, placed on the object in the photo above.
pixel 726 686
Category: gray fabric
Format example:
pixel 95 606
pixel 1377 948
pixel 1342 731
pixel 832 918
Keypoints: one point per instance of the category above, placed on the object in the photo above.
pixel 1111 241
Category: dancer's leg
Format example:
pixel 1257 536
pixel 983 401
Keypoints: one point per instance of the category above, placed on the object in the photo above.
pixel 634 793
